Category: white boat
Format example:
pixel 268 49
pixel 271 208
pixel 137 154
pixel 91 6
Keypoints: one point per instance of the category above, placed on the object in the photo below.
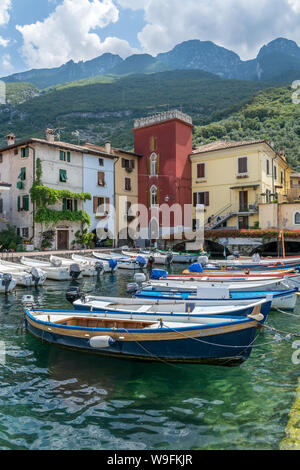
pixel 56 273
pixel 107 266
pixel 25 276
pixel 209 298
pixel 170 311
pixel 185 258
pixel 257 261
pixel 87 269
pixel 124 262
pixel 158 258
pixel 7 283
pixel 192 286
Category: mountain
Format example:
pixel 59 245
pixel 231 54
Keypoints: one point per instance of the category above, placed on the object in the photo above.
pixel 69 72
pixel 106 110
pixel 277 62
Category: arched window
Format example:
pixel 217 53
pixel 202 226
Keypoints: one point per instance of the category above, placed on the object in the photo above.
pixel 153 196
pixel 153 164
pixel 297 218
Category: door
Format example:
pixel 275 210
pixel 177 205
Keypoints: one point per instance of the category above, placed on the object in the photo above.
pixel 243 223
pixel 62 239
pixel 243 201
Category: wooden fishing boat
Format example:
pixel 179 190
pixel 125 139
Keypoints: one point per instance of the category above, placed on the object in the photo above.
pixel 211 340
pixel 221 297
pixel 56 273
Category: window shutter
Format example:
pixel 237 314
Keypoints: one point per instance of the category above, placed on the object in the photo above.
pixel 95 205
pixel 64 204
pixel 243 165
pixel 123 163
pixel 132 164
pixel 26 151
pixel 158 164
pixel 195 199
pixel 26 203
pixel 1 205
pixel 206 199
pixel 201 170
pixel 107 202
pixel 75 205
pixel 62 155
pixel 68 157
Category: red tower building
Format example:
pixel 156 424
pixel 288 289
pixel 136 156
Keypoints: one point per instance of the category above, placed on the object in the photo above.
pixel 165 143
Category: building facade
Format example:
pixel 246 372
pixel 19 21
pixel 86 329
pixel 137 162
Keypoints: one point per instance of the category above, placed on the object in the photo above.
pixel 165 143
pixel 231 179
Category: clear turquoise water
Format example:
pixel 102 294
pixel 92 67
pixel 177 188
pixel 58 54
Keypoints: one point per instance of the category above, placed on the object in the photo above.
pixel 56 399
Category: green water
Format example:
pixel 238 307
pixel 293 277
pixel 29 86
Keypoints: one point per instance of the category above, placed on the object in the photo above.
pixel 56 399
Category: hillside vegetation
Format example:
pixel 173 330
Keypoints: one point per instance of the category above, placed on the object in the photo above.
pixel 270 115
pixel 106 110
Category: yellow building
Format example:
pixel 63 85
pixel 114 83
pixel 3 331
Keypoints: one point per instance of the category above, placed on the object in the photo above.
pixel 232 178
pixel 126 188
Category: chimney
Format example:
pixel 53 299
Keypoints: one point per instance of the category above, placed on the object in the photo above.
pixel 282 153
pixel 50 135
pixel 107 147
pixel 11 139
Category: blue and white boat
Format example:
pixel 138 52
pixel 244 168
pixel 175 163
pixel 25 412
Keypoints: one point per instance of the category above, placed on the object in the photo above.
pixel 285 299
pixel 123 262
pixel 220 340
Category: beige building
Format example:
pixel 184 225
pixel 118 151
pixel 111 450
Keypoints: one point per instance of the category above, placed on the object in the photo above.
pixel 232 178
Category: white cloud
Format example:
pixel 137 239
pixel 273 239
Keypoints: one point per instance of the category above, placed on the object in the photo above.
pixel 6 63
pixel 69 32
pixel 240 25
pixel 5 7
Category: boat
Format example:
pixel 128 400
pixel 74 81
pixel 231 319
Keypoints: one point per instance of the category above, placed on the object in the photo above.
pixel 24 276
pixel 123 262
pixel 171 310
pixel 220 340
pixel 152 256
pixel 108 267
pixel 87 269
pixel 258 262
pixel 7 283
pixel 285 299
pixel 192 286
pixel 180 257
pixel 56 273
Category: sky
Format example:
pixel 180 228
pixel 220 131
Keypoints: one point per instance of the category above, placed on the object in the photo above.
pixel 48 33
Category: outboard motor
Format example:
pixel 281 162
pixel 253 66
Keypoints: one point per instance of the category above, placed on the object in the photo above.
pixel 36 276
pixel 169 258
pixel 140 277
pixel 132 288
pixel 72 294
pixel 56 262
pixel 151 261
pixel 75 271
pixel 113 264
pixel 236 254
pixel 99 267
pixel 6 280
pixel 141 261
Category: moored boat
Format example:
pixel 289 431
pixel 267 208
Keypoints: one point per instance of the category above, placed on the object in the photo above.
pixel 212 339
pixel 24 276
pixel 123 262
pixel 56 273
pixel 107 266
pixel 86 269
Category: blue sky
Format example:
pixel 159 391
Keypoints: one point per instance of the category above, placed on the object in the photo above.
pixel 47 33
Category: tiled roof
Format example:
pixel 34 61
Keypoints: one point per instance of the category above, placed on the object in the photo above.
pixel 223 144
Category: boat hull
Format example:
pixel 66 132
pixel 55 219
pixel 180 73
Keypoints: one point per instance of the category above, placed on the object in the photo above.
pixel 231 347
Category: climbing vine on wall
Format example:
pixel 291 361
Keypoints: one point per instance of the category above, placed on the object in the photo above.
pixel 43 197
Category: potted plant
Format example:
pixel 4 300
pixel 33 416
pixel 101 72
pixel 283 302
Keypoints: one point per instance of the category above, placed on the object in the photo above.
pixel 47 239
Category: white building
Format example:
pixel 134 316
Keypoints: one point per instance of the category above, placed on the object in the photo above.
pixel 62 168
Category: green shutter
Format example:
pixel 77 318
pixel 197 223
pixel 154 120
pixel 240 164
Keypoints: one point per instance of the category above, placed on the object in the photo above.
pixel 75 205
pixel 26 151
pixel 19 203
pixel 64 204
pixel 20 185
pixel 26 203
pixel 22 175
pixel 68 157
pixel 62 176
pixel 62 155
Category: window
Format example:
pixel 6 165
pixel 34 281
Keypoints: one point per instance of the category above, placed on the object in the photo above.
pixel 275 172
pixel 1 206
pixel 63 176
pixel 153 196
pixel 128 164
pixel 24 152
pixel 25 232
pixel 70 205
pixel 201 170
pixel 101 206
pixel 101 162
pixel 64 156
pixel 127 184
pixel 153 164
pixel 268 167
pixel 281 177
pixel 22 175
pixel 242 165
pixel 23 203
pixel 101 178
pixel 297 218
pixel 201 198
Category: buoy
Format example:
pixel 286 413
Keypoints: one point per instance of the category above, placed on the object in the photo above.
pixel 101 342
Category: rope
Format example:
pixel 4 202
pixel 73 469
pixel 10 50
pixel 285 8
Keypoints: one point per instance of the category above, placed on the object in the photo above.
pixel 286 313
